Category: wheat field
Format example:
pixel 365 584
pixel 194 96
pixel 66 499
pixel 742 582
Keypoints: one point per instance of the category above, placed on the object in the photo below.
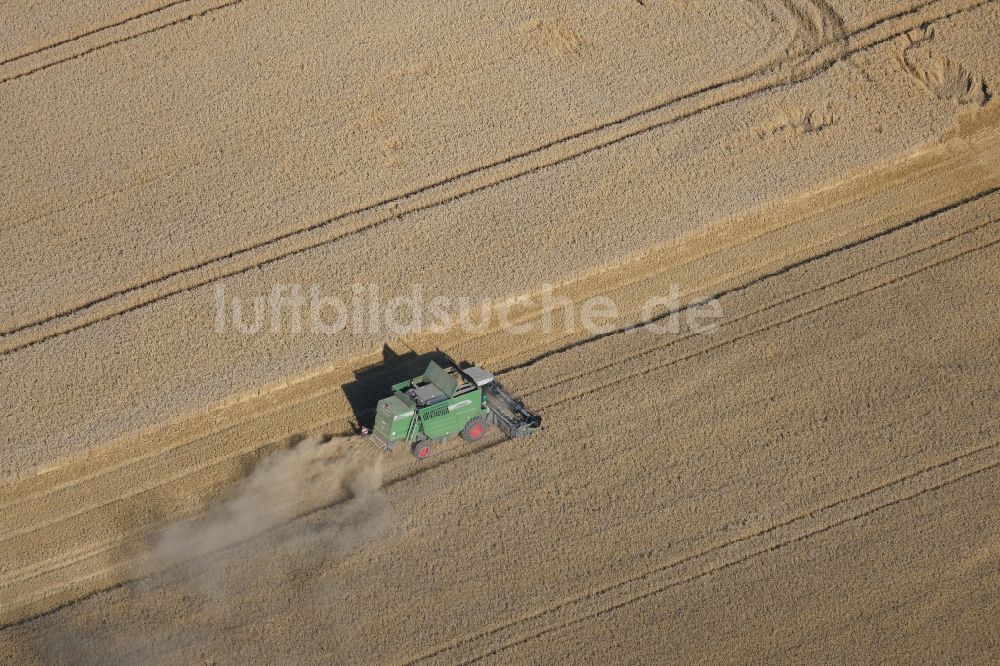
pixel 814 479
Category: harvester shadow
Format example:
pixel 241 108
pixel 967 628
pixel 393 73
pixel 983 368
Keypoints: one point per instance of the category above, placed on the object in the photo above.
pixel 374 382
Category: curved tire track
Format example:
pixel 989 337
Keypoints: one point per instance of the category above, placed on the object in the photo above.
pixel 795 69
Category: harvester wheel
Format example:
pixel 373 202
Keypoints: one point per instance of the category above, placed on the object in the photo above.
pixel 475 429
pixel 421 449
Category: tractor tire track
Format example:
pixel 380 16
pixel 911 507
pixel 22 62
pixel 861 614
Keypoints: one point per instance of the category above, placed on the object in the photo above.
pixel 562 348
pixel 795 529
pixel 771 326
pixel 321 393
pixel 748 315
pixel 74 48
pixel 478 179
pixel 94 31
pixel 195 437
pixel 312 395
pixel 135 562
pixel 227 455
pixel 90 551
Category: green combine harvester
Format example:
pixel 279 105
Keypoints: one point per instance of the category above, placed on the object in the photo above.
pixel 447 401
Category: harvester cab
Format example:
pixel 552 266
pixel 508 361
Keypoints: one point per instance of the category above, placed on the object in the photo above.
pixel 446 401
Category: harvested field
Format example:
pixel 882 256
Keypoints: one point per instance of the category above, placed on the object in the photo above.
pixel 815 478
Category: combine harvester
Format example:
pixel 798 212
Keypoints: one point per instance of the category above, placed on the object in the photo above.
pixel 446 401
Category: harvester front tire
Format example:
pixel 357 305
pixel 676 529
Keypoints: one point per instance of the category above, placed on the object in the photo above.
pixel 475 429
pixel 421 450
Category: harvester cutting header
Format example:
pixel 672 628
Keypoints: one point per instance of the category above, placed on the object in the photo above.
pixel 446 401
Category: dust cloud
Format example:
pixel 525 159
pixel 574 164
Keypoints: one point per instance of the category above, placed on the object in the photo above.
pixel 260 556
pixel 283 486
